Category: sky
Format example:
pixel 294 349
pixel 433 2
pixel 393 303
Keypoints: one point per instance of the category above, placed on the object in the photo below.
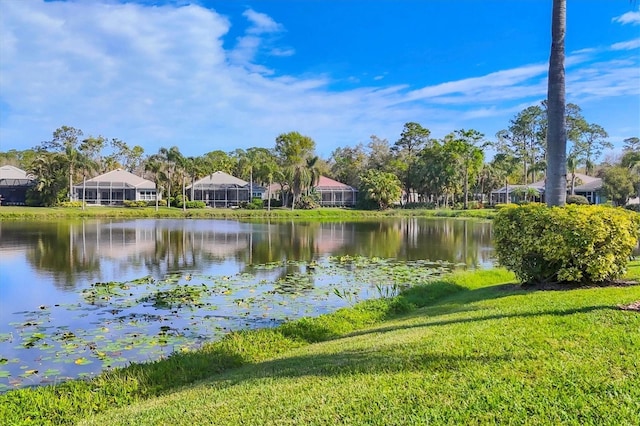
pixel 206 75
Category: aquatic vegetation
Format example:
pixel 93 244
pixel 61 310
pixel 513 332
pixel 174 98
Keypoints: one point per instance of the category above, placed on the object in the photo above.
pixel 149 318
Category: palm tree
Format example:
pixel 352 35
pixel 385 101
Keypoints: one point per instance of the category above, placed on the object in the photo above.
pixel 172 158
pixel 572 164
pixel 556 184
pixel 155 166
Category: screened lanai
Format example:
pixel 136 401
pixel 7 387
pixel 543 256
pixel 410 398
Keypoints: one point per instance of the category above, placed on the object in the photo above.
pixel 115 187
pixel 335 194
pixel 14 184
pixel 220 189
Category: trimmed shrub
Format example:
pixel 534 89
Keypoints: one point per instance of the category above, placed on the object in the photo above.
pixel 255 204
pixel 572 244
pixel 132 203
pixel 577 199
pixel 74 204
pixel 196 204
pixel 161 203
pixel 189 204
pixel 308 202
pixel 428 206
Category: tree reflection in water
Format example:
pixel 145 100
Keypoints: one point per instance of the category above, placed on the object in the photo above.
pixel 76 252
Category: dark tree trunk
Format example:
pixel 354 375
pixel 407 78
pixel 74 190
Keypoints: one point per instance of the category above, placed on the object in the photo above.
pixel 556 184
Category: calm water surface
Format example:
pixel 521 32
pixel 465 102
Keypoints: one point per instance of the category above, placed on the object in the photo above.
pixel 78 297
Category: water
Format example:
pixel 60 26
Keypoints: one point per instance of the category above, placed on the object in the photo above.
pixel 77 297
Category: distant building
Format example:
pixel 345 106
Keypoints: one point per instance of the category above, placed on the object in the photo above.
pixel 592 191
pixel 335 194
pixel 220 189
pixel 14 184
pixel 332 193
pixel 587 186
pixel 114 188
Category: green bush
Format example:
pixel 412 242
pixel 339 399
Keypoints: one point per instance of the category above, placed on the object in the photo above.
pixel 161 203
pixel 196 204
pixel 565 244
pixel 428 206
pixel 577 199
pixel 633 207
pixel 308 202
pixel 131 203
pixel 178 202
pixel 255 204
pixel 75 204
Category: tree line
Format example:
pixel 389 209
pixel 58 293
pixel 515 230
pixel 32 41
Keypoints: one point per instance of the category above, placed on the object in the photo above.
pixel 416 168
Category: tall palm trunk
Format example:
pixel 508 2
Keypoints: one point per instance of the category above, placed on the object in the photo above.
pixel 556 184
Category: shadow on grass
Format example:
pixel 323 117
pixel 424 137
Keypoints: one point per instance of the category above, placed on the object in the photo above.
pixel 428 323
pixel 65 403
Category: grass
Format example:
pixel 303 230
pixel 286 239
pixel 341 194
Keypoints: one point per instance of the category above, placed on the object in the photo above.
pixel 39 213
pixel 468 349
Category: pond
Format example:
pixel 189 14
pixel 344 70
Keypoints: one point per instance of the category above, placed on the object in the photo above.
pixel 77 297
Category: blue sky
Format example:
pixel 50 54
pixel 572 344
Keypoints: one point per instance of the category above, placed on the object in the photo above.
pixel 207 75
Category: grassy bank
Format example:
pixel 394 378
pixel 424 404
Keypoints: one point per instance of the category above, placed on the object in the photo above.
pixel 471 348
pixel 42 213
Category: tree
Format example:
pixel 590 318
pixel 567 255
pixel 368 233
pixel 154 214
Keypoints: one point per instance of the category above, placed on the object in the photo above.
pixel 504 165
pixel 293 151
pixel 591 140
pixel 412 140
pixel 89 159
pixel 618 184
pixel 556 183
pixel 631 160
pixel 380 154
pixel 572 163
pixel 218 161
pixel 48 168
pixel 381 187
pixel 348 164
pixel 129 157
pixel 632 144
pixel 467 155
pixel 172 159
pixel 525 139
pixel 155 166
pixel 65 141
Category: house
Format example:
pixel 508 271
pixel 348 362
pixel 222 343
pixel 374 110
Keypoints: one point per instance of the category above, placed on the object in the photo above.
pixel 332 193
pixel 335 194
pixel 587 186
pixel 14 184
pixel 592 191
pixel 114 188
pixel 533 191
pixel 220 189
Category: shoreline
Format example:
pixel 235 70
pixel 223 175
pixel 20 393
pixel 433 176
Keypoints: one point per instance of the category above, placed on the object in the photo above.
pixel 40 213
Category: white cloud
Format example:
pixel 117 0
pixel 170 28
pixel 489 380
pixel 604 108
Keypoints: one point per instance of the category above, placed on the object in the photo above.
pixel 632 18
pixel 160 76
pixel 626 45
pixel 261 23
pixel 258 38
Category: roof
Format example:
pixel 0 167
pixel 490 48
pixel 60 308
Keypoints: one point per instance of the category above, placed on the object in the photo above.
pixel 539 186
pixel 325 183
pixel 594 185
pixel 13 176
pixel 589 183
pixel 118 179
pixel 584 178
pixel 219 180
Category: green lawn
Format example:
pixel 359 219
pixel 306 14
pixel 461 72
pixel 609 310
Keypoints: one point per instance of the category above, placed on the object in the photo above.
pixel 469 349
pixel 39 213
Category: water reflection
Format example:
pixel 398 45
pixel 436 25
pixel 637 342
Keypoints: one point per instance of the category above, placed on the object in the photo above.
pixel 72 253
pixel 105 281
